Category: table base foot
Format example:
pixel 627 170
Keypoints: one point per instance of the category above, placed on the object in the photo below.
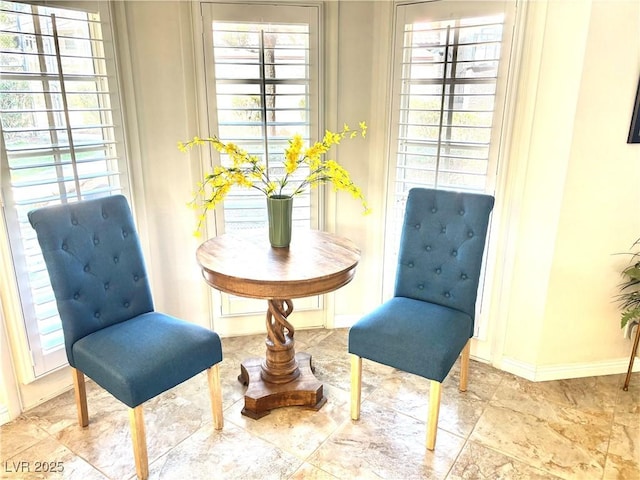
pixel 261 397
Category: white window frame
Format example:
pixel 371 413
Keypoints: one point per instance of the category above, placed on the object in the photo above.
pixel 33 359
pixel 442 10
pixel 235 314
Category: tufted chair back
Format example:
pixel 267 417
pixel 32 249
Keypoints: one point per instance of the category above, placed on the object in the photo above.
pixel 112 333
pixel 428 323
pixel 441 247
pixel 95 263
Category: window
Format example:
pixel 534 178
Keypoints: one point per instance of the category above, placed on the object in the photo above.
pixel 450 66
pixel 261 68
pixel 62 139
pixel 262 76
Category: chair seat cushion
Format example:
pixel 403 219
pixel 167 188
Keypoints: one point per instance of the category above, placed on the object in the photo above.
pixel 412 335
pixel 145 356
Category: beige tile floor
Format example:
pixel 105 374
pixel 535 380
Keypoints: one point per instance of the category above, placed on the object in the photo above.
pixel 502 427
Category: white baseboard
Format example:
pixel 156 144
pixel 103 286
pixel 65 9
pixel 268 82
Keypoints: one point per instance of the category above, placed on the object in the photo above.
pixel 345 321
pixel 5 417
pixel 561 372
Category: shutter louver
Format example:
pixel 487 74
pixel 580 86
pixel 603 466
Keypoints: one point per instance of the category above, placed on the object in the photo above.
pixel 449 76
pixel 449 102
pixel 62 139
pixel 262 76
pixel 263 93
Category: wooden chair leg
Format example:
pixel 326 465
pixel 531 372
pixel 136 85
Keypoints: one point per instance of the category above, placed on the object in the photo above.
pixel 356 386
pixel 634 351
pixel 464 366
pixel 139 440
pixel 81 397
pixel 215 391
pixel 435 392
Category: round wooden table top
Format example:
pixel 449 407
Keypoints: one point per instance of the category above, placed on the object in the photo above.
pixel 247 265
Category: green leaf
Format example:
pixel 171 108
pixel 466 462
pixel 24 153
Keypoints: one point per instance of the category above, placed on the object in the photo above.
pixel 632 272
pixel 629 315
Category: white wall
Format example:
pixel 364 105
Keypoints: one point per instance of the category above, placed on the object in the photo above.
pixel 158 37
pixel 579 201
pixel 600 212
pixel 9 399
pixel 363 49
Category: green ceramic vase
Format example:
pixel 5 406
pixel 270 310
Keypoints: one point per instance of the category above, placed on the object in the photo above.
pixel 279 211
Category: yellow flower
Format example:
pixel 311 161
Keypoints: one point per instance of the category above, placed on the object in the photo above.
pixel 292 154
pixel 314 161
pixel 330 138
pixel 271 187
pixel 249 171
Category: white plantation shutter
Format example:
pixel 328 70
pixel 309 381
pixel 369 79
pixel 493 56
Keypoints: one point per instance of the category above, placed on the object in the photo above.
pixel 264 65
pixel 449 84
pixel 262 85
pixel 62 139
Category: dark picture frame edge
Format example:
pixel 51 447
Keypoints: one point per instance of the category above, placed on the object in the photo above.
pixel 634 129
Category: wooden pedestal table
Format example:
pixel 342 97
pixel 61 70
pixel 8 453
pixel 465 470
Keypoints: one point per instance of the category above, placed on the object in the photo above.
pixel 315 263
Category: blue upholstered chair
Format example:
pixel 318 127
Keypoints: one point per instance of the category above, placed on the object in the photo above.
pixel 111 331
pixel 429 321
